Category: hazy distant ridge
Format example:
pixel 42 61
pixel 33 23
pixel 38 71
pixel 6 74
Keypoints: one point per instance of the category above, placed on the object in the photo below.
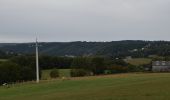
pixel 114 48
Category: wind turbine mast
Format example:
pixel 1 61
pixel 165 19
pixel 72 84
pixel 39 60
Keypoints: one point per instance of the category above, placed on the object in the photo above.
pixel 37 63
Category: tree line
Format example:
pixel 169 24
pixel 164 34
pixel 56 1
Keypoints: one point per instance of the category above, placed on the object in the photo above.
pixel 17 69
pixel 22 68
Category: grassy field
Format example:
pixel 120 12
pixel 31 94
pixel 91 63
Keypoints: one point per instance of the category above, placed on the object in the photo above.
pixel 139 61
pixel 2 60
pixel 112 87
pixel 62 73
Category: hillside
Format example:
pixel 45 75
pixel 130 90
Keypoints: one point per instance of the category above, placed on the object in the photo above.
pixel 112 87
pixel 114 48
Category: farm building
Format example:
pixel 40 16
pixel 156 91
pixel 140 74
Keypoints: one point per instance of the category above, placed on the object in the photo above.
pixel 161 66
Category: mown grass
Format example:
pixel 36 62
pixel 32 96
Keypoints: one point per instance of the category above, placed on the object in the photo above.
pixel 113 87
pixel 139 61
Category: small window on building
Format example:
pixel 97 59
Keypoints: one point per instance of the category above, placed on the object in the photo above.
pixel 163 63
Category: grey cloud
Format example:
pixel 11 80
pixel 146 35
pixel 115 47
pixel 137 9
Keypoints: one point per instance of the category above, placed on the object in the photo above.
pixel 91 20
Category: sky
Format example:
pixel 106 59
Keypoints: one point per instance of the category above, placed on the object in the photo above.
pixel 84 20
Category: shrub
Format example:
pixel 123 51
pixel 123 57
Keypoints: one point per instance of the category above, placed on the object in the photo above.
pixel 108 72
pixel 118 69
pixel 54 73
pixel 80 72
pixel 132 68
pixel 9 72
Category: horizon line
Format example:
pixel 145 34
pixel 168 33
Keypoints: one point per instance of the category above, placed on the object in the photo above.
pixel 79 41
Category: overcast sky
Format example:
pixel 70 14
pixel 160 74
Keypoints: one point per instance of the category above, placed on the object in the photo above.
pixel 84 20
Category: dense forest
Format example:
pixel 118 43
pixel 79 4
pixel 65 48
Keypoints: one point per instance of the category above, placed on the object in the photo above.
pixel 72 49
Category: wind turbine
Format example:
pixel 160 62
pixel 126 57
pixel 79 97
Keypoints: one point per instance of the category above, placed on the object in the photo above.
pixel 37 62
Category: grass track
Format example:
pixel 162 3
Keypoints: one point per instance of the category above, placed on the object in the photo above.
pixel 112 87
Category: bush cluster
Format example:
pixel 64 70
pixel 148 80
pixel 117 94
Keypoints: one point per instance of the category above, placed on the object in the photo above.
pixel 54 73
pixel 18 69
pixel 80 72
pixel 82 66
pixel 12 72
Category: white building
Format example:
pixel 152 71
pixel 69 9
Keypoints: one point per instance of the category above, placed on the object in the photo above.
pixel 161 66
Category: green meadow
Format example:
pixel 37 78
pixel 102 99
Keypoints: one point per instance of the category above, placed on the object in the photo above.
pixel 151 86
pixel 139 61
pixel 2 60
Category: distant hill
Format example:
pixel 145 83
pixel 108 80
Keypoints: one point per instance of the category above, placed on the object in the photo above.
pixel 114 48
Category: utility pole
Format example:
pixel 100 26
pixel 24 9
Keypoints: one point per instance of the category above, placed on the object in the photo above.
pixel 37 63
